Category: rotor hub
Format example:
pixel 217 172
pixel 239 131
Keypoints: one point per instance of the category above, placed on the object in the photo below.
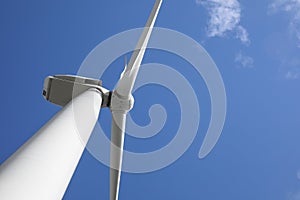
pixel 120 103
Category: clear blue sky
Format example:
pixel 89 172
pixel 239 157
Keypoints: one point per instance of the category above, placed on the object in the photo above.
pixel 255 45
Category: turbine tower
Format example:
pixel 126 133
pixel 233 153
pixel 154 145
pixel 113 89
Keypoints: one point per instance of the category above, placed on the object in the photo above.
pixel 43 167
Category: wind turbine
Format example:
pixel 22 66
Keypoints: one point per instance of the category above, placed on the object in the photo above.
pixel 43 167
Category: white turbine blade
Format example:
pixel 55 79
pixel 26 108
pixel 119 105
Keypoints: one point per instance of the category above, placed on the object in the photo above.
pixel 126 82
pixel 116 151
pixel 123 90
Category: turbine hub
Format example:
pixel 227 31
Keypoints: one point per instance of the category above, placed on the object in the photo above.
pixel 120 103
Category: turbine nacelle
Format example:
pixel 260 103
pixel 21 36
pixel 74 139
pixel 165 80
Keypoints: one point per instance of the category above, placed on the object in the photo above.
pixel 61 89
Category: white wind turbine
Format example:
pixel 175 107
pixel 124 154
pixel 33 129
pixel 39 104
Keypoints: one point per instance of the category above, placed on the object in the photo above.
pixel 43 167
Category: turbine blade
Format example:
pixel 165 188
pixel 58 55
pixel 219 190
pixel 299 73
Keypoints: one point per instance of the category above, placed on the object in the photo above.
pixel 116 151
pixel 123 90
pixel 126 82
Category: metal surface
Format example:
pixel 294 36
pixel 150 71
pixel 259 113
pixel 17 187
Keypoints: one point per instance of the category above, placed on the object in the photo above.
pixel 61 89
pixel 122 102
pixel 126 82
pixel 43 167
pixel 116 151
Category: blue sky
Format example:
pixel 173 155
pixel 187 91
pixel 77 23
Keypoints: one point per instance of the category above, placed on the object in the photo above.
pixel 256 46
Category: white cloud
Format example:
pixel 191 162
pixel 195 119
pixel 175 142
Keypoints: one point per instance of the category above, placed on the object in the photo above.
pixel 298 174
pixel 243 60
pixel 285 5
pixel 290 69
pixel 292 75
pixel 293 196
pixel 292 7
pixel 225 16
pixel 242 34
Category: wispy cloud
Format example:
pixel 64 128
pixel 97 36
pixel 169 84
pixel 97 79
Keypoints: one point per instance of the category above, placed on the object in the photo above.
pixel 294 196
pixel 244 61
pixel 291 7
pixel 225 16
pixel 290 67
pixel 292 75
